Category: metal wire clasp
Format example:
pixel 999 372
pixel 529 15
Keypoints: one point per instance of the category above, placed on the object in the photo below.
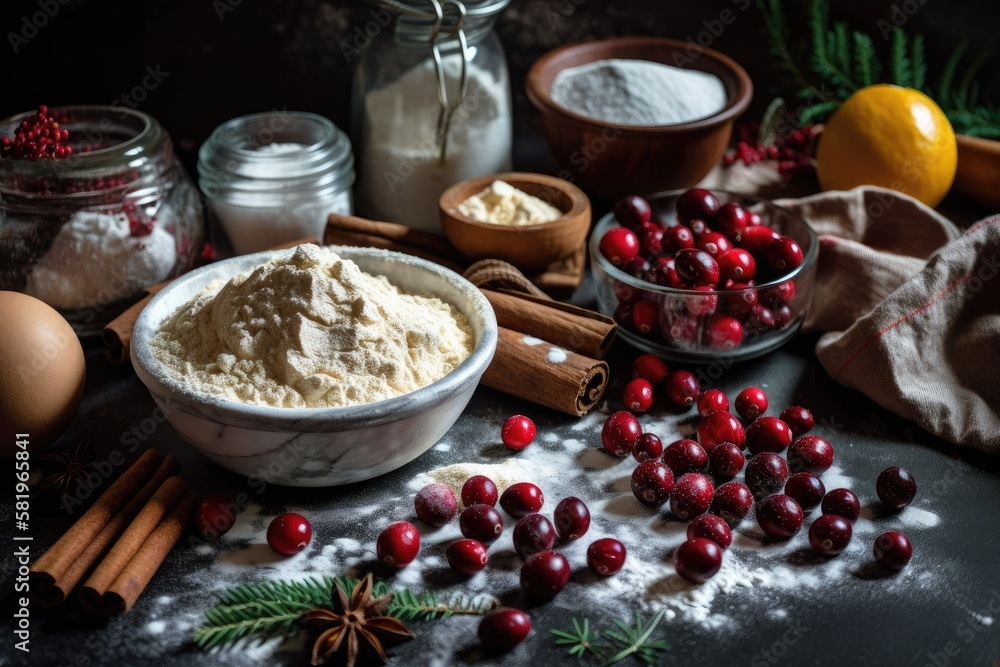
pixel 448 108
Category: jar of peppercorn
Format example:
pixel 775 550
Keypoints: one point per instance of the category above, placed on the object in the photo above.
pixel 94 206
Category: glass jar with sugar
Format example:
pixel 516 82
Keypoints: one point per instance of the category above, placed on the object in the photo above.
pixel 272 178
pixel 431 106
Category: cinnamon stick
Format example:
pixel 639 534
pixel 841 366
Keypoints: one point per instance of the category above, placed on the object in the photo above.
pixel 530 368
pixel 336 236
pixel 400 235
pixel 52 590
pixel 132 581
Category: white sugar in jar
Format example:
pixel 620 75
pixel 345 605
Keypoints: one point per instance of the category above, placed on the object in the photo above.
pixel 272 178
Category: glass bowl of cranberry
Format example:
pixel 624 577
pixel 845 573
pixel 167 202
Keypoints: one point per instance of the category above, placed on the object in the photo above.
pixel 699 276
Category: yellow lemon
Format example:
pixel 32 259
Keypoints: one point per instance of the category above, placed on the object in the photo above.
pixel 892 137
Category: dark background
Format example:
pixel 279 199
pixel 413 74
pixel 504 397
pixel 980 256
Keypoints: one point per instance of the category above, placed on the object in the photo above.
pixel 225 58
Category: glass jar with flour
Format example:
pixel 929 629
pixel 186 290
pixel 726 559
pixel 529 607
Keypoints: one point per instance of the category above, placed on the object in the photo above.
pixel 431 107
pixel 275 177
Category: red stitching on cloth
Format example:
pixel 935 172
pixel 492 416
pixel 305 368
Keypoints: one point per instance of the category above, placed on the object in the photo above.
pixel 991 221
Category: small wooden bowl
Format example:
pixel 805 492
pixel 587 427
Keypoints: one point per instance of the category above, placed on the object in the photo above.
pixel 979 170
pixel 613 161
pixel 530 247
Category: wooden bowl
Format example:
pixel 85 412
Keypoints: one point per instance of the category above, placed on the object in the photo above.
pixel 529 247
pixel 979 170
pixel 613 161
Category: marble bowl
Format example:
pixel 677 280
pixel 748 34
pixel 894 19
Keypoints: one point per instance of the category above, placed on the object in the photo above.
pixel 319 446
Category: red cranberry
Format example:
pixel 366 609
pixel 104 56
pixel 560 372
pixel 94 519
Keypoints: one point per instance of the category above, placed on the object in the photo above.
pixel 620 433
pixel 766 474
pixel 737 264
pixel 751 403
pixel 726 460
pixel 842 502
pixel 522 499
pixel 711 527
pixel 698 560
pixel 633 211
pixel 606 556
pixel 466 556
pixel 479 490
pixel 677 238
pixel 544 574
pixel 784 255
pixel 650 368
pixel 501 630
pixel 806 489
pixel 435 504
pixel 702 304
pixel 290 533
pixel 664 272
pixel 798 419
pixel 685 456
pixel 481 522
pixel 732 502
pixel 732 220
pixel 712 399
pixel 651 239
pixel 683 388
pixel 638 267
pixel 518 432
pixel 619 245
pixel 810 453
pixel 533 533
pixel 779 516
pixel 781 294
pixel 572 518
pixel 696 267
pixel 647 448
pixel 682 329
pixel 398 544
pixel 893 550
pixel 723 332
pixel 638 395
pixel 783 316
pixel 761 319
pixel 758 239
pixel 692 495
pixel 216 515
pixel 718 426
pixel 768 434
pixel 830 534
pixel 895 487
pixel 652 482
pixel 714 244
pixel 697 203
pixel 698 226
pixel 645 316
pixel 741 303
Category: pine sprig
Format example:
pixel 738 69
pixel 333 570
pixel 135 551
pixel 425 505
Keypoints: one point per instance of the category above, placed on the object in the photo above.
pixel 900 69
pixel 580 640
pixel 407 606
pixel 616 643
pixel 866 64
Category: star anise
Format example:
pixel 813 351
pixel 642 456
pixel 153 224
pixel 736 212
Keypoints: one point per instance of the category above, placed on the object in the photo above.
pixel 79 466
pixel 362 618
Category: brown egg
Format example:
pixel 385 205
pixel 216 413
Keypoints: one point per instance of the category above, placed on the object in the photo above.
pixel 42 372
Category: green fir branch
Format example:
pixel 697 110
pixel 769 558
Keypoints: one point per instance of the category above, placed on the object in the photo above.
pixel 866 64
pixel 900 72
pixel 918 62
pixel 947 79
pixel 616 643
pixel 579 640
pixel 827 44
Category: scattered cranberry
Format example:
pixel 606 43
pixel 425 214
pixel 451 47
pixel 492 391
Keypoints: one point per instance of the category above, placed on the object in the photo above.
pixel 806 489
pixel 732 502
pixel 677 238
pixel 737 264
pixel 842 502
pixel 766 474
pixel 768 434
pixel 652 482
pixel 481 522
pixel 533 533
pixel 544 574
pixel 723 332
pixel 714 244
pixel 798 419
pixel 810 453
pixel 751 403
pixel 518 432
pixel 893 550
pixel 572 518
pixel 645 316
pixel 895 487
pixel 685 456
pixel 620 433
pixel 779 516
pixel 711 527
pixel 712 399
pixel 697 203
pixel 633 212
pixel 650 368
pixel 216 515
pixel 466 556
pixel 698 560
pixel 683 388
pixel 619 245
pixel 501 630
pixel 726 460
pixel 647 448
pixel 829 534
pixel 732 220
pixel 784 255
pixel 480 490
pixel 717 427
pixel 606 556
pixel 435 504
pixel 289 533
pixel 398 544
pixel 692 495
pixel 522 499
pixel 638 395
pixel 696 266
